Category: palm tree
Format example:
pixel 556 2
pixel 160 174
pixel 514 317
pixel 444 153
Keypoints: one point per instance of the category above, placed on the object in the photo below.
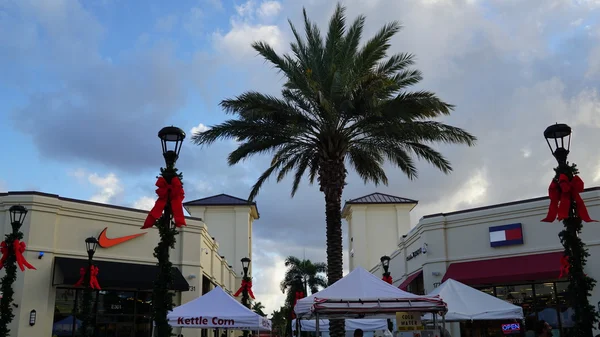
pixel 311 275
pixel 342 105
pixel 258 307
pixel 279 321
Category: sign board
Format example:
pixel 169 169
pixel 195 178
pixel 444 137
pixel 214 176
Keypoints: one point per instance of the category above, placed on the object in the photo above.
pixel 408 321
pixel 506 235
pixel 511 328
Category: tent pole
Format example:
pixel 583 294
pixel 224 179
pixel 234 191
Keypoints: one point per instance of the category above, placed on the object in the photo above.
pixel 318 326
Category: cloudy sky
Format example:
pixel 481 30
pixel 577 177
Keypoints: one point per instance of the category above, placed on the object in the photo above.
pixel 86 85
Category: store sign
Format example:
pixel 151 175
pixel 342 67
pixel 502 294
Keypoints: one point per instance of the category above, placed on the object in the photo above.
pixel 213 321
pixel 511 328
pixel 417 252
pixel 106 242
pixel 506 235
pixel 409 321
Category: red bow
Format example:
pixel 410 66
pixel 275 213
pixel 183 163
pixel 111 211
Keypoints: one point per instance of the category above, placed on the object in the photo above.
pixel 19 249
pixel 4 251
pixel 299 296
pixel 564 266
pixel 174 191
pixel 387 279
pixel 245 285
pixel 561 193
pixel 93 278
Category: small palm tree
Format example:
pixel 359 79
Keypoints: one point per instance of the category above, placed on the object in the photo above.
pixel 258 308
pixel 342 105
pixel 311 274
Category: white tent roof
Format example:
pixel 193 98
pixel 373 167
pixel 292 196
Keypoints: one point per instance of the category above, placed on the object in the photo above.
pixel 362 293
pixel 466 303
pixel 351 324
pixel 217 309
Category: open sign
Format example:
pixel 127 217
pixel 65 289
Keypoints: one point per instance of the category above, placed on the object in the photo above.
pixel 511 328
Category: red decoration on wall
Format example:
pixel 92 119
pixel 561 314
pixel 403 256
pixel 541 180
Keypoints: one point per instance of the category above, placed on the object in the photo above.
pixel 174 192
pixel 18 248
pixel 564 266
pixel 245 285
pixel 93 278
pixel 561 193
pixel 388 279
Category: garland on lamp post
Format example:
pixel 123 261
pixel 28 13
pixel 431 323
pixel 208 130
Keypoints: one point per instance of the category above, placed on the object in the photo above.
pixel 88 278
pixel 387 277
pixel 167 215
pixel 12 249
pixel 567 205
pixel 246 287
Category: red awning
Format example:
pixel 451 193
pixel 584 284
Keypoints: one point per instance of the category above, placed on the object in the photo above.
pixel 538 267
pixel 409 279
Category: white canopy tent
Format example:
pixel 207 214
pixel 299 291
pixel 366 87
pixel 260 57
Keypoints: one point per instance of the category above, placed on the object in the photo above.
pixel 361 294
pixel 351 324
pixel 217 309
pixel 466 304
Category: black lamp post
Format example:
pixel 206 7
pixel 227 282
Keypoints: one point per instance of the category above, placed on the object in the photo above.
pixel 566 182
pixel 245 281
pixel 17 216
pixel 91 244
pixel 387 277
pixel 171 138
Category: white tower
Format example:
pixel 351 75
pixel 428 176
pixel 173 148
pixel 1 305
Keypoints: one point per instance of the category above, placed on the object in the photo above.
pixel 375 224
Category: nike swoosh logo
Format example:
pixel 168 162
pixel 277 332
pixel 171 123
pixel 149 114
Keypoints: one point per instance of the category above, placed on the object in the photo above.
pixel 105 242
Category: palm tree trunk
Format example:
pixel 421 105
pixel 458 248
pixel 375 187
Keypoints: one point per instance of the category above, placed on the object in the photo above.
pixel 332 177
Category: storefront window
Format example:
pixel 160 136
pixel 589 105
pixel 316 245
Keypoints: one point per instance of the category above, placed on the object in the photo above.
pixel 545 304
pixel 564 311
pixel 117 313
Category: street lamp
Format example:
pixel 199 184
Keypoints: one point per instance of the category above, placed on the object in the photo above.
pixel 167 214
pixel 567 205
pixel 387 277
pixel 11 257
pixel 91 244
pixel 246 286
pixel 245 265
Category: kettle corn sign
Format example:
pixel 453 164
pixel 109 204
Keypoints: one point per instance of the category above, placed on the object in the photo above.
pixel 408 321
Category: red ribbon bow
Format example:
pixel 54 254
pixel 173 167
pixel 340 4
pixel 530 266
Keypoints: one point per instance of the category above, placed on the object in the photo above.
pixel 564 266
pixel 299 296
pixel 561 193
pixel 4 251
pixel 18 248
pixel 245 285
pixel 165 191
pixel 387 279
pixel 93 278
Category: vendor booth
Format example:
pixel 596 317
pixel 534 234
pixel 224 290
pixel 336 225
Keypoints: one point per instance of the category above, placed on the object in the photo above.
pixel 469 304
pixel 351 324
pixel 217 309
pixel 360 294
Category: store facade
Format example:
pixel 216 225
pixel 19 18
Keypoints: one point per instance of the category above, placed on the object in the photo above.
pixel 501 249
pixel 55 229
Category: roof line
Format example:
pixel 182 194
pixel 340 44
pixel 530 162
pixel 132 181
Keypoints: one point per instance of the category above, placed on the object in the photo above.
pixel 79 201
pixel 408 200
pixel 224 204
pixel 505 204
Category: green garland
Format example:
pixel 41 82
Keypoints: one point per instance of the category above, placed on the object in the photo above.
pixel 10 267
pixel 246 300
pixel 86 308
pixel 580 284
pixel 162 297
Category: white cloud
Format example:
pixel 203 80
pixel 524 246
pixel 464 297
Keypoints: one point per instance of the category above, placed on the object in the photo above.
pixel 269 9
pixel 145 203
pixel 198 128
pixel 237 42
pixel 166 24
pixel 246 9
pixel 108 188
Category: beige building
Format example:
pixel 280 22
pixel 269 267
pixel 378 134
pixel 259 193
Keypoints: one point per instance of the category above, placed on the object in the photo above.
pixel 55 230
pixel 501 249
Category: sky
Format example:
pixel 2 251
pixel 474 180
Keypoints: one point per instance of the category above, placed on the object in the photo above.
pixel 86 85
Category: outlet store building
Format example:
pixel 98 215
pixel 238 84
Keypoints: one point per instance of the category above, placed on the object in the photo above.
pixel 501 249
pixel 55 230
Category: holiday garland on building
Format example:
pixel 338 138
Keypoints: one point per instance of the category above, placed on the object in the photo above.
pixel 170 197
pixel 568 206
pixel 11 249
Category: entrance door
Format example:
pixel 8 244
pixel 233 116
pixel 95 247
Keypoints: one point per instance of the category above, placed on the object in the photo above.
pixel 116 330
